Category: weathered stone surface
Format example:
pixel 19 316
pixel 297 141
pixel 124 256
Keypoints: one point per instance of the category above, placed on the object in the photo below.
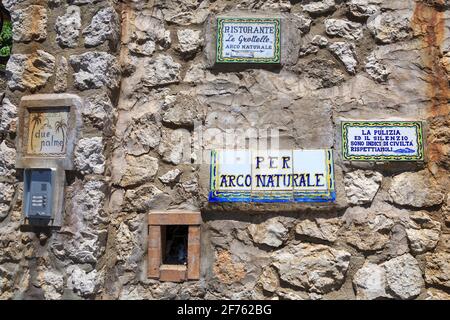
pixel 376 70
pixel 6 196
pixel 62 70
pixel 363 8
pixel 143 134
pixel 319 6
pixel 98 111
pixel 366 230
pixel 403 277
pixel 89 202
pixel 104 26
pixel 175 146
pixel 390 27
pixel 161 70
pixel 361 186
pixel 344 28
pixel 89 158
pixel 370 282
pixel 95 70
pixel 272 233
pixel 68 27
pixel 227 270
pixel 319 228
pixel 148 33
pixel 184 13
pixel 8 116
pixel 139 170
pixel 29 71
pixel 29 23
pixel 345 52
pixel 283 5
pixel 7 160
pixel 83 283
pixel 324 73
pixel 423 232
pixel 189 41
pixel 183 110
pixel 416 189
pixel 269 280
pixel 437 269
pixel 144 198
pixel 319 41
pixel 170 176
pixel 52 284
pixel 315 268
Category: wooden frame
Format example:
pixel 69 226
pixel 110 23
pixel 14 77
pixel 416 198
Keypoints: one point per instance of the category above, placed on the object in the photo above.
pixel 167 272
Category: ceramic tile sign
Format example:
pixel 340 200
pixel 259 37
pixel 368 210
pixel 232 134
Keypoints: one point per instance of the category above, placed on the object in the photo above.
pixel 272 176
pixel 248 40
pixel 47 131
pixel 382 141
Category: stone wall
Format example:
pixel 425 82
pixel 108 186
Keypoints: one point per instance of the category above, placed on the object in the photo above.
pixel 144 71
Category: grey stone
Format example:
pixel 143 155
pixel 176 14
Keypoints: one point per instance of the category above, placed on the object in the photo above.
pixel 89 158
pixel 189 41
pixel 7 160
pixel 83 283
pixel 370 282
pixel 319 228
pixel 7 192
pixel 303 22
pixel 363 8
pixel 175 146
pixel 344 28
pixel 319 6
pixel 68 27
pixel 312 267
pixel 161 70
pixel 390 27
pixel 139 170
pixel 272 233
pixel 361 186
pixel 423 232
pixel 61 74
pixel 89 201
pixel 403 277
pixel 417 189
pixel 29 23
pixel 144 198
pixel 376 70
pixel 319 41
pixel 8 116
pixel 104 26
pixel 149 31
pixel 98 111
pixel 183 110
pixel 282 5
pixel 345 52
pixel 185 13
pixel 52 284
pixel 94 70
pixel 143 134
pixel 170 176
pixel 366 230
pixel 145 49
pixel 269 280
pixel 323 73
pixel 29 71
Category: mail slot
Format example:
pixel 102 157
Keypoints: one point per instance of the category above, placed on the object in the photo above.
pixel 38 193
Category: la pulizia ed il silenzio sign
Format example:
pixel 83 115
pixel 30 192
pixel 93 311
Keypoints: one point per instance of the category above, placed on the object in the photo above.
pixel 272 176
pixel 248 40
pixel 382 140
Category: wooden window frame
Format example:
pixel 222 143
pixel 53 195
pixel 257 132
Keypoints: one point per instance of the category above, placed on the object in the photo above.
pixel 172 272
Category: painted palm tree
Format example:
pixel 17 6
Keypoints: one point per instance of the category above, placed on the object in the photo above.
pixel 35 120
pixel 61 125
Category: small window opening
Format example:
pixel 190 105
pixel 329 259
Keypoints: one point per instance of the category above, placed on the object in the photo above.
pixel 175 241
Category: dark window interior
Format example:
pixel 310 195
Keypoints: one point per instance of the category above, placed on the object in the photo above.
pixel 174 244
